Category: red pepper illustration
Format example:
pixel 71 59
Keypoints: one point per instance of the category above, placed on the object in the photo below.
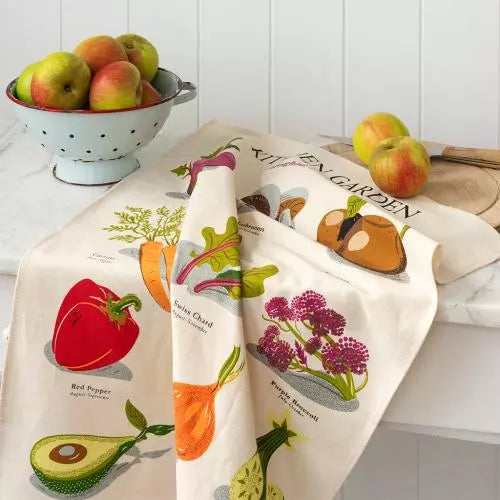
pixel 94 327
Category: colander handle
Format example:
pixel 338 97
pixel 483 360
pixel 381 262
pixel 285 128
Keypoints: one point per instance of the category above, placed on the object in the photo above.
pixel 188 96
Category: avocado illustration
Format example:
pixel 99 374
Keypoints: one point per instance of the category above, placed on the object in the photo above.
pixel 73 463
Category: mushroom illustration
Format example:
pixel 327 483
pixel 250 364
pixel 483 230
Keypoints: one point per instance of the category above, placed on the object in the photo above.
pixel 282 207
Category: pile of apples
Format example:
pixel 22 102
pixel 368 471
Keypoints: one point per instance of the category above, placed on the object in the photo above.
pixel 398 164
pixel 102 73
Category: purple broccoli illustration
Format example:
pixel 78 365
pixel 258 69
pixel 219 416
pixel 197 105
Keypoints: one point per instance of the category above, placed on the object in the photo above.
pixel 304 335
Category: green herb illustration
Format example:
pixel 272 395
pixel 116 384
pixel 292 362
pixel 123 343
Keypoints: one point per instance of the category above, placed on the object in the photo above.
pixel 74 463
pixel 159 233
pixel 137 224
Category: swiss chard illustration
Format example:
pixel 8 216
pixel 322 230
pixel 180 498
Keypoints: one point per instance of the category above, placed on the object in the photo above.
pixel 253 280
pixel 220 157
pixel 73 463
pixel 221 250
pixel 219 262
pixel 194 410
pixel 250 480
pixel 369 241
pixel 94 327
pixel 247 283
pixel 306 337
pixel 159 232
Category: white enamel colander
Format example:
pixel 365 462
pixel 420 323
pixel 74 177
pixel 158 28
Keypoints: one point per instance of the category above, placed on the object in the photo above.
pixel 98 147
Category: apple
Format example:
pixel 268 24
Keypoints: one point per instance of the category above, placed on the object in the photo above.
pixel 149 94
pixel 23 85
pixel 98 51
pixel 373 129
pixel 400 166
pixel 141 53
pixel 61 80
pixel 116 86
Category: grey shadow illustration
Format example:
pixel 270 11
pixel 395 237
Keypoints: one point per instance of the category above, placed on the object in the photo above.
pixel 313 388
pixel 117 370
pixel 401 277
pixel 116 471
pixel 222 493
pixel 178 196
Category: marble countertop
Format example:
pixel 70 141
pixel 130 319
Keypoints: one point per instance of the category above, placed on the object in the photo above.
pixel 33 204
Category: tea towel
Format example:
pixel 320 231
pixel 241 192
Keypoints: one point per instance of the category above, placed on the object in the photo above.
pixel 211 328
pixel 467 242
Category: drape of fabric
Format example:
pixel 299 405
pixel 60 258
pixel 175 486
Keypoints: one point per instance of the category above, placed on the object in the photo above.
pixel 273 341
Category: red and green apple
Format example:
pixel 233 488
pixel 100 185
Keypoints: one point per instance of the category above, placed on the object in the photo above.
pixel 141 53
pixel 23 85
pixel 99 51
pixel 149 94
pixel 116 86
pixel 374 129
pixel 400 166
pixel 61 80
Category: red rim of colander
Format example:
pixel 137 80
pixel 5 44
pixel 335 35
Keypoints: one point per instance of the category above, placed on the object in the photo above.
pixel 10 94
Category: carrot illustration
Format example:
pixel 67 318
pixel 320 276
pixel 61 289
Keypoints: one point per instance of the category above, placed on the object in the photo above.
pixel 160 241
pixel 149 262
pixel 168 255
pixel 194 410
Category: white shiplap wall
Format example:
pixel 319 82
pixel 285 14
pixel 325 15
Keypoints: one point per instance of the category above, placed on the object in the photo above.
pixel 299 68
pixel 296 67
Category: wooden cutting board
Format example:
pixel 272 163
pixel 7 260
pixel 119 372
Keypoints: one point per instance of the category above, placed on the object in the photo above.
pixel 472 189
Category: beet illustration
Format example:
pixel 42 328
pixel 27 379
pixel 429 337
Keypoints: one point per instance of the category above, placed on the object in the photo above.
pixel 221 157
pixel 225 159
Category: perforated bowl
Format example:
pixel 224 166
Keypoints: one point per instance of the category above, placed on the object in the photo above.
pixel 97 147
